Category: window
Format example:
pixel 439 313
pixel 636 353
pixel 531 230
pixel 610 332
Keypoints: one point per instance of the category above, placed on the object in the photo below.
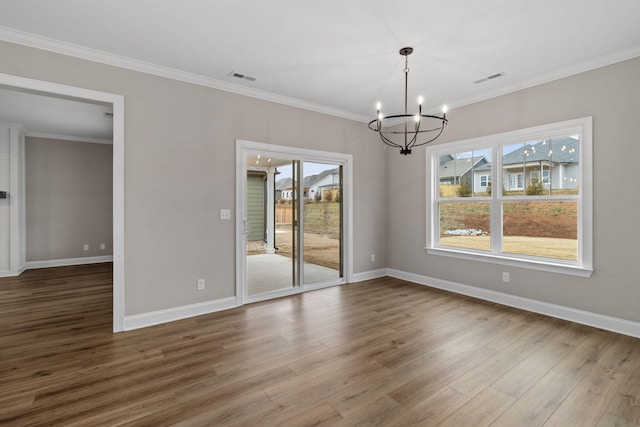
pixel 516 181
pixel 535 175
pixel 538 213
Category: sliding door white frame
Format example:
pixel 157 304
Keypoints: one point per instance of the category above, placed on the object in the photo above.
pixel 243 149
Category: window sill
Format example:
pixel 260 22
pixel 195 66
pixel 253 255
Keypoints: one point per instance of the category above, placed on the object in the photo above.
pixel 549 267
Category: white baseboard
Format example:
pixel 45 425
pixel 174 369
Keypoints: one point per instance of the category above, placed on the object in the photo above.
pixel 368 275
pixel 614 324
pixel 68 261
pixel 9 273
pixel 152 318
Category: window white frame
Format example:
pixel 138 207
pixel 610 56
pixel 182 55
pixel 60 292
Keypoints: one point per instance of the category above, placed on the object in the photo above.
pixel 583 266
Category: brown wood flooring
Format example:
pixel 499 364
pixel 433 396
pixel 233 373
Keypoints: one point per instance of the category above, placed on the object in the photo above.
pixel 382 352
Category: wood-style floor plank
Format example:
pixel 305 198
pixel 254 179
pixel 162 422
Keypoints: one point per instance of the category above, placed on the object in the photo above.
pixel 383 352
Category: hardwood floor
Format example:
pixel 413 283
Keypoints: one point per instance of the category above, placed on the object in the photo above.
pixel 382 352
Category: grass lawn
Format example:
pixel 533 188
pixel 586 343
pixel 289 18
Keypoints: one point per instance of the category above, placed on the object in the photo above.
pixel 566 249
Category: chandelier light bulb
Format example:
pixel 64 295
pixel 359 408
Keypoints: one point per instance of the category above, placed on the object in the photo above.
pixel 420 100
pixel 378 105
pixel 445 109
pixel 380 116
pixel 416 117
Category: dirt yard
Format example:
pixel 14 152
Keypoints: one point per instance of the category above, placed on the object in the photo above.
pixel 318 249
pixel 529 219
pixel 322 233
pixel 546 229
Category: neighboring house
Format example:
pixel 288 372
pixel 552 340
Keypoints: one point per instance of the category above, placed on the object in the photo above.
pixel 328 180
pixel 553 162
pixel 285 189
pixel 455 171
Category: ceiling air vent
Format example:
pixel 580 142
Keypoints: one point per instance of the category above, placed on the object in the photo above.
pixel 491 77
pixel 242 76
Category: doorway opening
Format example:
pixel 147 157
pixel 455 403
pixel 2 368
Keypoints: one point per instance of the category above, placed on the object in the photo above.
pixel 293 220
pixel 117 103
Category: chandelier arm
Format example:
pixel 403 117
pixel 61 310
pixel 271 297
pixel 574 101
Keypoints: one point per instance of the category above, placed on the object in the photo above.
pixel 389 142
pixel 432 139
pixel 383 137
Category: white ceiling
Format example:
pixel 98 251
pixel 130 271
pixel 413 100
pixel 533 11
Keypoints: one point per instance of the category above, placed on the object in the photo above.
pixel 52 116
pixel 339 56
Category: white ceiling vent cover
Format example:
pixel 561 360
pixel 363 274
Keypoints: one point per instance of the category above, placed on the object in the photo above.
pixel 491 77
pixel 242 76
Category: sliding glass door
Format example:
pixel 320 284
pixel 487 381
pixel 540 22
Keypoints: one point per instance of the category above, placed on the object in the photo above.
pixel 292 224
pixel 322 222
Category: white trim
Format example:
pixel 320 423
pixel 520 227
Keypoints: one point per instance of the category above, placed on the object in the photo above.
pixel 39 42
pixel 609 323
pixel 72 138
pixel 117 101
pixel 52 45
pixel 159 317
pixel 571 70
pixel 504 259
pixel 30 265
pixel 368 275
pixel 243 148
pixel 10 273
pixel 293 291
pixel 583 265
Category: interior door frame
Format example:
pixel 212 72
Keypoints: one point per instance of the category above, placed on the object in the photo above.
pixel 244 148
pixel 117 101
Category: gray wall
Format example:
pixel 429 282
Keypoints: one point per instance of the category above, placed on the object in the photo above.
pixel 612 96
pixel 180 170
pixel 68 199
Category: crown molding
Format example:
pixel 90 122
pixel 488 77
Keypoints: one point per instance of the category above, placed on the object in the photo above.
pixel 71 138
pixel 70 49
pixel 572 70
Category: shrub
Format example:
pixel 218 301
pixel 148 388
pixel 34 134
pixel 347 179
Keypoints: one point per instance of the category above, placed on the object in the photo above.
pixel 464 190
pixel 535 187
pixel 328 196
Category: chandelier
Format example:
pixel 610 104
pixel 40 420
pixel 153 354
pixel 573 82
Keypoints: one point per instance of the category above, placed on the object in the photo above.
pixel 419 129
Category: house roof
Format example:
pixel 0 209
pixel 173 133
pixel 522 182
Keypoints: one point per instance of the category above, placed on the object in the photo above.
pixel 458 167
pixel 309 181
pixel 559 150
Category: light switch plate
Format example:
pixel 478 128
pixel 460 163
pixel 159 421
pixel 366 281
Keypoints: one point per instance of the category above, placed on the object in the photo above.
pixel 225 213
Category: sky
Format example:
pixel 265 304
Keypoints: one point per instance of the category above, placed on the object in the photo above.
pixel 308 169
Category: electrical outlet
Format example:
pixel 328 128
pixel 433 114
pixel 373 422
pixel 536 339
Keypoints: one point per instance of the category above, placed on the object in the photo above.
pixel 200 285
pixel 225 213
pixel 373 257
pixel 505 277
pixel 85 247
pixel 103 246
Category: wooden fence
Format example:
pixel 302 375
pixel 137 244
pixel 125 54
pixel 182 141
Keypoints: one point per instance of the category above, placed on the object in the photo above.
pixel 284 215
pixel 449 190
